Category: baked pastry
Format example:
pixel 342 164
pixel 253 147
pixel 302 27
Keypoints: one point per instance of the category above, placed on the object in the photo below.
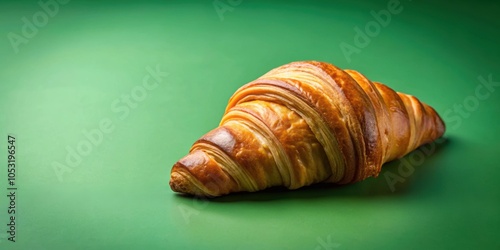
pixel 304 123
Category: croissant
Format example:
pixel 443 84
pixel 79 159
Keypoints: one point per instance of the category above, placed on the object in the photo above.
pixel 304 123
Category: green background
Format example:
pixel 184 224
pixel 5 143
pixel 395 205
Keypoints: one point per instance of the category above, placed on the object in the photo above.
pixel 73 72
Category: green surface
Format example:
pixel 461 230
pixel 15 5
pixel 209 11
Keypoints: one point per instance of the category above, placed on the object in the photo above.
pixel 72 77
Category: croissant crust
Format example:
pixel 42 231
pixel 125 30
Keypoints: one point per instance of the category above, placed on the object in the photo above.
pixel 304 123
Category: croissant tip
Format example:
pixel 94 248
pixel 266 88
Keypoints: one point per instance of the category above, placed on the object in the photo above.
pixel 180 184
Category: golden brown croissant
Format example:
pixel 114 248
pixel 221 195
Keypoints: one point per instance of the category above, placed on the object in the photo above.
pixel 304 123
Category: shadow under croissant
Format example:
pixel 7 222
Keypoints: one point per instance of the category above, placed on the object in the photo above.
pixel 370 187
